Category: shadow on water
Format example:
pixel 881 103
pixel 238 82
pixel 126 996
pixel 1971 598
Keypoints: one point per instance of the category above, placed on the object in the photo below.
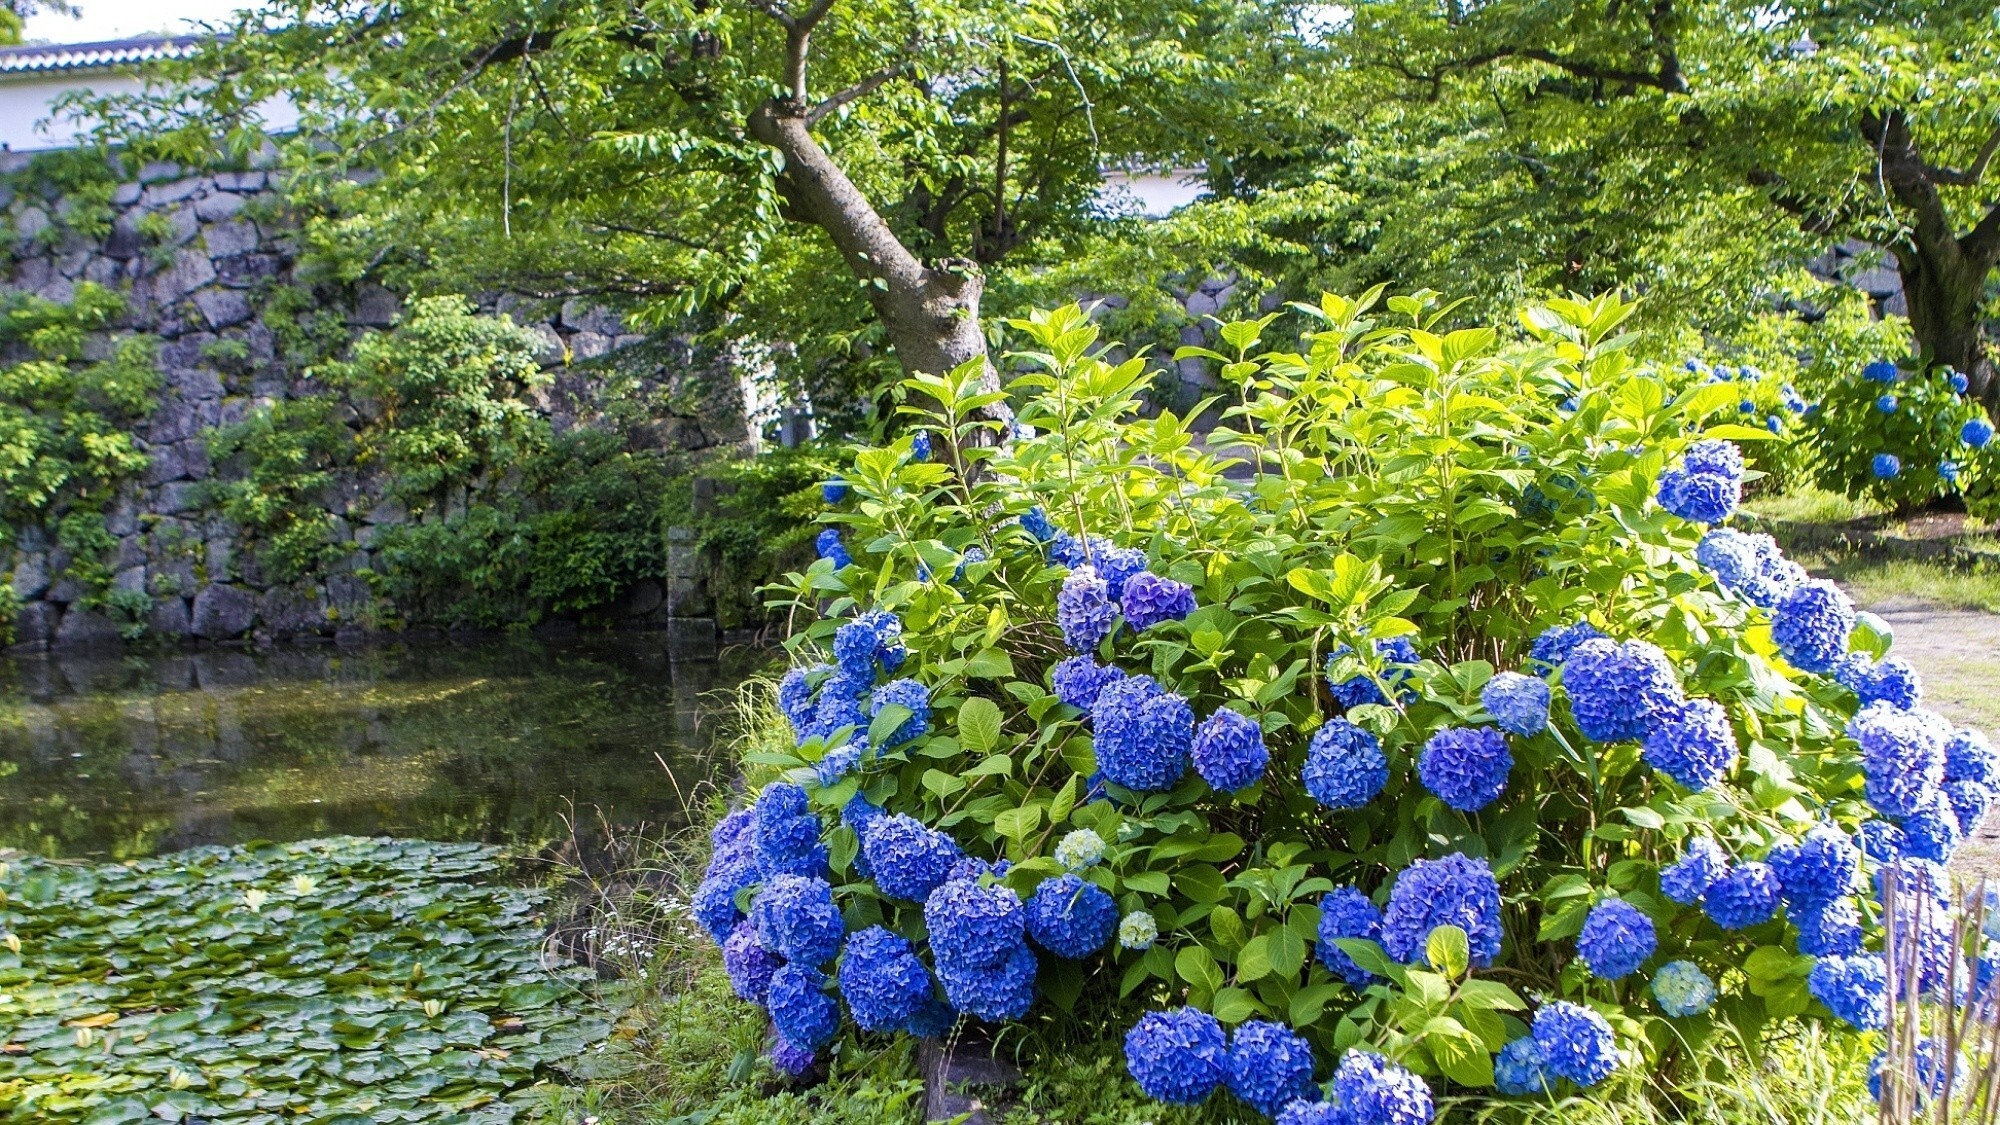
pixel 497 741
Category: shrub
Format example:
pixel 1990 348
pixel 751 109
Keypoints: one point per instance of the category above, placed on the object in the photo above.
pixel 1895 436
pixel 1389 517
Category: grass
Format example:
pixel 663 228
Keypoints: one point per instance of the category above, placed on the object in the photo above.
pixel 1934 559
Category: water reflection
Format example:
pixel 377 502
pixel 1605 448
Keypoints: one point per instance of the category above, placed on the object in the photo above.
pixel 498 741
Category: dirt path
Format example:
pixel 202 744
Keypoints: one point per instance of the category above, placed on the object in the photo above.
pixel 1958 654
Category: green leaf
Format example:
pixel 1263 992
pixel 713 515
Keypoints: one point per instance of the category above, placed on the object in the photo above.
pixel 891 716
pixel 1458 1052
pixel 989 664
pixel 978 725
pixel 1197 966
pixel 1233 1005
pixel 1253 961
pixel 1448 951
pixel 1288 952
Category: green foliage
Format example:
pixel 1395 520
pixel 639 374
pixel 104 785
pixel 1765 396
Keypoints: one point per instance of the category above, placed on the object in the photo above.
pixel 762 520
pixel 75 185
pixel 343 976
pixel 1464 490
pixel 578 526
pixel 278 458
pixel 63 417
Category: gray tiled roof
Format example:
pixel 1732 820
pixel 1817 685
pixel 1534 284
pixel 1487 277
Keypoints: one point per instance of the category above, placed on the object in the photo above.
pixel 95 56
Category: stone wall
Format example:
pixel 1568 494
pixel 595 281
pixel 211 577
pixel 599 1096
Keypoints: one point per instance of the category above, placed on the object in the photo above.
pixel 194 255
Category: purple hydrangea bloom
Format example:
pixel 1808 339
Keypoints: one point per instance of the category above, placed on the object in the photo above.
pixel 1143 736
pixel 1466 767
pixel 1519 704
pixel 1455 890
pixel 1078 680
pixel 790 1059
pixel 796 918
pixel 1178 1057
pixel 1553 647
pixel 1345 767
pixel 800 1008
pixel 748 963
pixel 1576 1043
pixel 1371 1090
pixel 1692 743
pixel 1071 918
pixel 1818 869
pixel 1229 751
pixel 1744 896
pixel 1084 610
pixel 974 926
pixel 883 982
pixel 1713 457
pixel 795 698
pixel 1270 1066
pixel 1616 939
pixel 1854 988
pixel 1702 862
pixel 1149 599
pixel 1118 565
pixel 1312 1113
pixel 909 859
pixel 1832 929
pixel 906 693
pixel 1617 692
pixel 786 833
pixel 1890 681
pixel 1347 913
pixel 1811 625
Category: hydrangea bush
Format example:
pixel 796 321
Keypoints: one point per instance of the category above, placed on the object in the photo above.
pixel 1901 436
pixel 1425 730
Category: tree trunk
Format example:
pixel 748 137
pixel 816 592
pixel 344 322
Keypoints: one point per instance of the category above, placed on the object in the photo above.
pixel 931 312
pixel 1945 292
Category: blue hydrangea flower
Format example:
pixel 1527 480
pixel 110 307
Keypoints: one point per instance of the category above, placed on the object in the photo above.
pixel 786 832
pixel 1466 767
pixel 1774 423
pixel 1927 1062
pixel 1269 1066
pixel 1138 930
pixel 1067 550
pixel 1143 736
pixel 1229 751
pixel 1714 458
pixel 1932 832
pixel 1555 644
pixel 1886 466
pixel 714 900
pixel 1398 657
pixel 1617 692
pixel 1830 930
pixel 829 546
pixel 907 693
pixel 1892 681
pixel 838 706
pixel 1035 522
pixel 1970 802
pixel 1901 754
pixel 1854 988
pixel 1811 625
pixel 1969 757
pixel 972 554
pixel 1957 380
pixel 1345 767
pixel 1886 404
pixel 1616 939
pixel 1879 371
pixel 840 761
pixel 1080 849
pixel 1311 1113
pixel 1744 896
pixel 920 445
pixel 1149 599
pixel 909 859
pixel 1071 918
pixel 1818 869
pixel 1692 743
pixel 1118 565
pixel 1519 704
pixel 933 1021
pixel 800 1008
pixel 1084 610
pixel 1702 862
pixel 1078 680
pixel 1371 1090
pixel 883 982
pixel 1771 575
pixel 833 491
pixel 1947 472
pixel 1727 555
pixel 974 926
pixel 790 1059
pixel 797 919
pixel 1455 890
pixel 1576 1043
pixel 795 698
pixel 994 993
pixel 1683 989
pixel 1699 497
pixel 748 963
pixel 1347 913
pixel 1177 1057
pixel 1517 1069
pixel 1978 433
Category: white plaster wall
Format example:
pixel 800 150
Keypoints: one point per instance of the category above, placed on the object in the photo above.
pixel 25 113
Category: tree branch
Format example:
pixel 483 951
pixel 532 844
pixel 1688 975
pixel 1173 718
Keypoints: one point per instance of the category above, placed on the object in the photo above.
pixel 855 92
pixel 1970 176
